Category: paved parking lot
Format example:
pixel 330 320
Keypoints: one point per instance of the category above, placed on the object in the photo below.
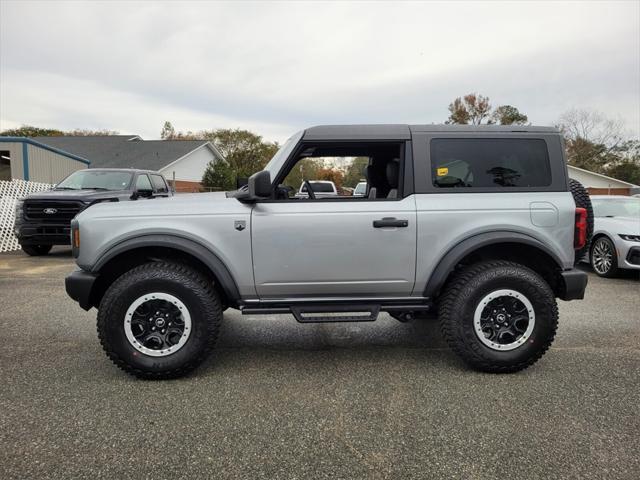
pixel 283 400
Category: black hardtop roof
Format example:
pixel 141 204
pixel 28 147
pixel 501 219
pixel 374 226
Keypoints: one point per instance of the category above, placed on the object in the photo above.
pixel 403 131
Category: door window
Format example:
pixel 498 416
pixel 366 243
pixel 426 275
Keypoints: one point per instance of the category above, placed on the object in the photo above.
pixel 358 171
pixel 143 183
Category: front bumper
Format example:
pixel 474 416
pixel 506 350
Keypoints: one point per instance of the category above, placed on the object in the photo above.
pixel 79 285
pixel 628 254
pixel 573 285
pixel 42 234
pixel 633 257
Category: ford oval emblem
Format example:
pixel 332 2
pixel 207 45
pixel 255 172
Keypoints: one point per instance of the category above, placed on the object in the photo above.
pixel 50 211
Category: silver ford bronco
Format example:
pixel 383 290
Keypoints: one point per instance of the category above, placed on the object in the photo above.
pixel 480 226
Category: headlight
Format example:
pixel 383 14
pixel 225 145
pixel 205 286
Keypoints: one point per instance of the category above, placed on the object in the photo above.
pixel 630 238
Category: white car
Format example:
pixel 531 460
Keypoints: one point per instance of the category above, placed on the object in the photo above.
pixel 616 234
pixel 360 190
pixel 320 189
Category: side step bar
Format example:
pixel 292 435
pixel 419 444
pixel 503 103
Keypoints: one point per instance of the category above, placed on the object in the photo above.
pixel 319 313
pixel 332 312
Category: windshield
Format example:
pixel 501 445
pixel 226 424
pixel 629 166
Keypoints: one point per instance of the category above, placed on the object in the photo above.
pixel 281 155
pixel 95 180
pixel 360 189
pixel 616 207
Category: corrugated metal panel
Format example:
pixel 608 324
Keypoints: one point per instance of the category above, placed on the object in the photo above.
pixel 15 153
pixel 50 167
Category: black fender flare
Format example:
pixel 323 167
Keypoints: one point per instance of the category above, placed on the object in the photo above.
pixel 176 242
pixel 449 261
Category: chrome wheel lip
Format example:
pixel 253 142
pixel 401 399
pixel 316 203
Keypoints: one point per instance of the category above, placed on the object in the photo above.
pixel 186 317
pixel 602 257
pixel 477 326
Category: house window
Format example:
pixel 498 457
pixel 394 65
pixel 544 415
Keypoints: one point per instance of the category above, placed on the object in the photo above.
pixel 5 165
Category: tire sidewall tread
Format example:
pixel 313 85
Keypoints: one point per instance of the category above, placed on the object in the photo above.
pixel 193 289
pixel 461 297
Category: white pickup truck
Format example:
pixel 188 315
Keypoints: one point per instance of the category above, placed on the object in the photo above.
pixel 321 189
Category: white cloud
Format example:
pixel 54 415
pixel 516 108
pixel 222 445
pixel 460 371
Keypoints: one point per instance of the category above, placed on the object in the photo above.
pixel 277 67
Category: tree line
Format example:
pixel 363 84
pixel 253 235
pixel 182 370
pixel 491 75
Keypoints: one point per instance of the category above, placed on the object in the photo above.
pixel 593 142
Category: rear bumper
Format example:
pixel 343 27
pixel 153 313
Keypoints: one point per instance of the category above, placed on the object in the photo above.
pixel 574 284
pixel 79 285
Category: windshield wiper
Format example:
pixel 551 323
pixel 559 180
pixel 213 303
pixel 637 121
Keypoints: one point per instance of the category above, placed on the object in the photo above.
pixel 96 188
pixel 66 188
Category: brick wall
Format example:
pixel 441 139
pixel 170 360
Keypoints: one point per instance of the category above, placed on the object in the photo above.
pixel 182 186
pixel 609 191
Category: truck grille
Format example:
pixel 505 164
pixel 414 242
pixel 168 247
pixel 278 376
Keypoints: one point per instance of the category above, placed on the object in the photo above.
pixel 51 211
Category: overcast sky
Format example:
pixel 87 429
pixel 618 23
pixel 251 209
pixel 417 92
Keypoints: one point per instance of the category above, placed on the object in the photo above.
pixel 275 67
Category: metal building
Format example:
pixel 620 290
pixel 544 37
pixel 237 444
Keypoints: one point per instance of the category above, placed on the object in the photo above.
pixel 27 159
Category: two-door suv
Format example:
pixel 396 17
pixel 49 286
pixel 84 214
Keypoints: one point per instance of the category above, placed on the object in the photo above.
pixel 479 224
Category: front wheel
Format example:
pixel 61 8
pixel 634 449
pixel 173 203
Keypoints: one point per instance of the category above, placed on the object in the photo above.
pixel 159 320
pixel 604 259
pixel 498 316
pixel 36 250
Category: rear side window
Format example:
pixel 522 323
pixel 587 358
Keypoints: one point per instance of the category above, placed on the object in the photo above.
pixel 159 184
pixel 489 163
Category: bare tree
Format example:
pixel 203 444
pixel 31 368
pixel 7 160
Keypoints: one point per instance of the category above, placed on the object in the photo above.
pixel 592 126
pixel 598 143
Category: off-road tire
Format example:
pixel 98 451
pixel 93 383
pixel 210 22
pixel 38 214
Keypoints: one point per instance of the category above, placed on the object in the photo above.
pixel 613 269
pixel 464 292
pixel 181 281
pixel 36 250
pixel 582 200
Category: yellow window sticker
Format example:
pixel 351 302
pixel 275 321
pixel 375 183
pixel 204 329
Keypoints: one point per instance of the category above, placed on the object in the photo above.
pixel 443 171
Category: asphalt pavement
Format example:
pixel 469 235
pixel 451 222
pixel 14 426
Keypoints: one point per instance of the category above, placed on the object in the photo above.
pixel 284 400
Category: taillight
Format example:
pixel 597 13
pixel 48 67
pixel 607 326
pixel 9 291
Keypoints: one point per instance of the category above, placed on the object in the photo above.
pixel 580 232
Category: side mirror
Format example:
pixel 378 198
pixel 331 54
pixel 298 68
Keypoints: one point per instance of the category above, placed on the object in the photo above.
pixel 258 186
pixel 241 182
pixel 142 193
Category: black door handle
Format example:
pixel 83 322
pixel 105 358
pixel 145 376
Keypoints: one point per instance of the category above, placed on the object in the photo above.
pixel 390 222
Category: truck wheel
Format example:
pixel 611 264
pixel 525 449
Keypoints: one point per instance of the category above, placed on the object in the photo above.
pixel 604 259
pixel 36 250
pixel 498 316
pixel 159 320
pixel 582 199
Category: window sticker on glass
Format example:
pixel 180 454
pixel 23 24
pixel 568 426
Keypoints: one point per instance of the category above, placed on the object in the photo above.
pixel 442 171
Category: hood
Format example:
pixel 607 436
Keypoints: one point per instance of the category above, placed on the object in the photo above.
pixel 617 225
pixel 205 204
pixel 81 195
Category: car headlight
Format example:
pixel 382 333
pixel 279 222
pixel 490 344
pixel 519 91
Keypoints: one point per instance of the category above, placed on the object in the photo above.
pixel 629 238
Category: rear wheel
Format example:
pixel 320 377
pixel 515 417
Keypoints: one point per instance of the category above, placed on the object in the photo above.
pixel 36 250
pixel 498 316
pixel 604 259
pixel 159 320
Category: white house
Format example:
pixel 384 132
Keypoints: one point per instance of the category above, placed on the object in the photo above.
pixel 182 161
pixel 599 184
